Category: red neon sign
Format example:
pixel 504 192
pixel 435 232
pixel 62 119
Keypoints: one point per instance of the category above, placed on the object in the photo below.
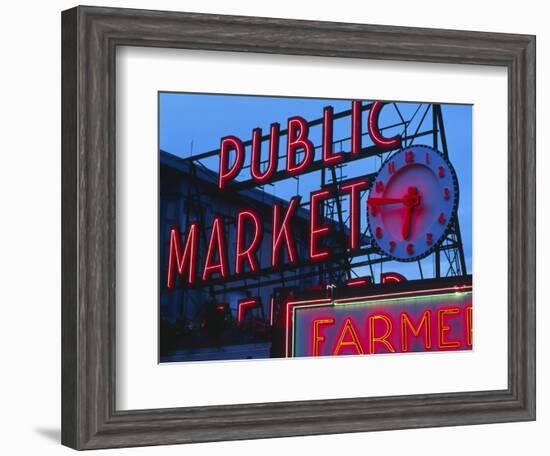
pixel 243 253
pixel 249 229
pixel 374 132
pixel 317 230
pixel 356 114
pixel 244 305
pixel 282 232
pixel 359 282
pixel 185 260
pixel 392 277
pixel 329 158
pixel 392 328
pixel 226 173
pixel 273 160
pixel 354 189
pixel 298 140
pixel 216 245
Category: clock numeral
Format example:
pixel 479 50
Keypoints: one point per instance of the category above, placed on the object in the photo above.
pixel 391 167
pixel 392 246
pixel 441 172
pixel 446 193
pixel 378 232
pixel 429 238
pixel 441 218
pixel 379 186
pixel 409 156
pixel 374 211
pixel 428 158
pixel 410 249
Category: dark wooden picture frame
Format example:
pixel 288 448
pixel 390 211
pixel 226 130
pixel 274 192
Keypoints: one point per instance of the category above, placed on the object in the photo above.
pixel 90 36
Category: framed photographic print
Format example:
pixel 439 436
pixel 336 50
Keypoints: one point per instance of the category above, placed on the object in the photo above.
pixel 279 228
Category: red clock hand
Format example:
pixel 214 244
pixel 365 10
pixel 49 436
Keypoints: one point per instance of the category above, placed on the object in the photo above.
pixel 382 201
pixel 407 224
pixel 411 200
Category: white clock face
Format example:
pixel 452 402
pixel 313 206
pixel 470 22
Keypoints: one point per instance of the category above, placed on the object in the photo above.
pixel 412 202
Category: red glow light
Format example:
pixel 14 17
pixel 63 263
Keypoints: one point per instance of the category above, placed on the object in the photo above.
pixel 247 254
pixel 271 309
pixel 290 304
pixel 216 239
pixel 354 189
pixel 359 281
pixel 388 277
pixel 329 158
pixel 257 175
pixel 407 325
pixel 297 139
pixel 317 337
pixel 184 261
pixel 317 230
pixel 243 306
pixel 227 174
pixel 374 132
pixel 282 232
pixel 356 115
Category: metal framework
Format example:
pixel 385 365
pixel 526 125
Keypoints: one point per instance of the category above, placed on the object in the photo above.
pixel 448 258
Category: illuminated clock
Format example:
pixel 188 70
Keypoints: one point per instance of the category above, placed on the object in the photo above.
pixel 412 202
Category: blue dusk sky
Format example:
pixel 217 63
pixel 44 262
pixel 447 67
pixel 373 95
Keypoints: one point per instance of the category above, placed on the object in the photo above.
pixel 191 124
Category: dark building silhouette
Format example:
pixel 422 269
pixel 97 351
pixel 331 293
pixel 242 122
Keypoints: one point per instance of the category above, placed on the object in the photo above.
pixel 189 193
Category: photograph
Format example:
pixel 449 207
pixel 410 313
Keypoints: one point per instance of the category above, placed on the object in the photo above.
pixel 312 227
